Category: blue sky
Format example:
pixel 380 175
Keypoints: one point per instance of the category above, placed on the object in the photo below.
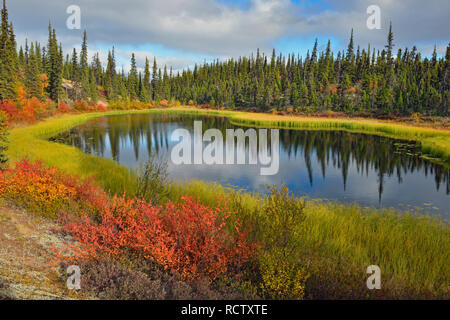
pixel 180 33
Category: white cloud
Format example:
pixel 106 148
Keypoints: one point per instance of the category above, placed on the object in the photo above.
pixel 211 28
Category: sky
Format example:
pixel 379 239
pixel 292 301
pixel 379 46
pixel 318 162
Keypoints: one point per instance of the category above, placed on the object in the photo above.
pixel 180 33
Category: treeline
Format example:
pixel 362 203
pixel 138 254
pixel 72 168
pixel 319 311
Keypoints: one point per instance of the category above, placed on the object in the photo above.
pixel 361 80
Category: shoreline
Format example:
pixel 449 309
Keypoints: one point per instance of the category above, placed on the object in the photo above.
pixel 333 231
pixel 434 142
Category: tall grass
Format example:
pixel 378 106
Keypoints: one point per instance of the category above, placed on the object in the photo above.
pixel 30 142
pixel 413 251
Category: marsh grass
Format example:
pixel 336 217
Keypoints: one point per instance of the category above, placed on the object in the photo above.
pixel 413 251
pixel 338 243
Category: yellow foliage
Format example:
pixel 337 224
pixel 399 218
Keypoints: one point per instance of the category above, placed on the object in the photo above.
pixel 281 280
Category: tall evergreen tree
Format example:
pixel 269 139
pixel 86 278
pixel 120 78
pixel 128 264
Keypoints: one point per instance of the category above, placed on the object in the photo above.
pixel 32 75
pixel 8 60
pixel 133 80
pixel 84 67
pixel 146 94
pixel 54 66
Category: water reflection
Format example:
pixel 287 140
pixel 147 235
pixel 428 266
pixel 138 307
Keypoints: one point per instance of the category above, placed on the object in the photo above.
pixel 370 170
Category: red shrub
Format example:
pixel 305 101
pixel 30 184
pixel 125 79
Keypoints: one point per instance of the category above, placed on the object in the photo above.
pixel 63 108
pixel 27 114
pixel 47 191
pixel 9 108
pixel 187 238
pixel 164 103
pixel 92 107
pixel 101 107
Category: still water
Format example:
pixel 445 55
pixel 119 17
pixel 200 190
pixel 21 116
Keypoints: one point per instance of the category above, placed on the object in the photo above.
pixel 366 169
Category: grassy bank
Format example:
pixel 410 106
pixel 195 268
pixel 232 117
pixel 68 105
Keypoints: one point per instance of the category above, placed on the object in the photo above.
pixel 31 142
pixel 435 142
pixel 338 241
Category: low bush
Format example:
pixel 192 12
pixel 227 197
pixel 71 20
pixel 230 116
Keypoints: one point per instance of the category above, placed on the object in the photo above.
pixel 9 108
pixel 114 280
pixel 280 278
pixel 3 139
pixel 63 108
pixel 187 237
pixel 81 106
pixel 110 280
pixel 278 225
pixel 101 108
pixel 152 182
pixel 49 192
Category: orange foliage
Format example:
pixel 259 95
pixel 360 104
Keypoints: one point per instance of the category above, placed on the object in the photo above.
pixel 187 238
pixel 21 94
pixel 48 191
pixel 33 109
pixel 332 88
pixel 63 108
pixel 44 83
pixel 30 110
pixel 81 105
pixel 10 108
pixel 91 107
pixel 164 103
pixel 27 114
pixel 101 107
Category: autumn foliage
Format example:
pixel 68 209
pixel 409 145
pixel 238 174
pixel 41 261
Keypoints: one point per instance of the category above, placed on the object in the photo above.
pixel 26 110
pixel 48 191
pixel 101 108
pixel 63 108
pixel 164 103
pixel 10 109
pixel 187 238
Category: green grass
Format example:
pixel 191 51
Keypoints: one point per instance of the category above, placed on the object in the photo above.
pixel 31 142
pixel 412 251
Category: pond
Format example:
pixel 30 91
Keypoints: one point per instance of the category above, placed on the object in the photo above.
pixel 347 167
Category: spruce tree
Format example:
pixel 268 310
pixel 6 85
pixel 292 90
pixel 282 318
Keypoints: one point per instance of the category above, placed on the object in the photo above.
pixel 84 68
pixel 133 79
pixel 32 75
pixel 8 60
pixel 145 95
pixel 390 44
pixel 53 66
pixel 155 81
